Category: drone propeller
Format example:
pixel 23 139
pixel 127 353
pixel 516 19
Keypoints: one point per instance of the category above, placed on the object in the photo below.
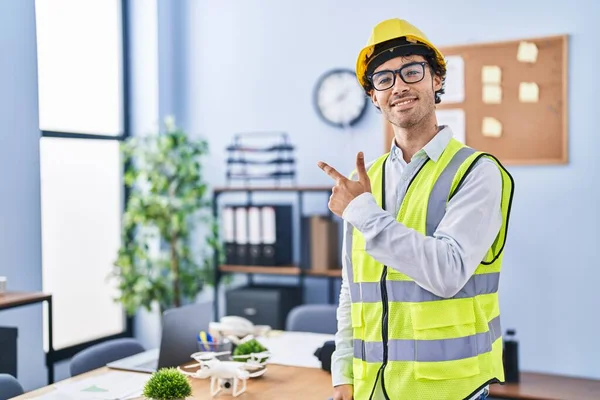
pixel 208 355
pixel 262 354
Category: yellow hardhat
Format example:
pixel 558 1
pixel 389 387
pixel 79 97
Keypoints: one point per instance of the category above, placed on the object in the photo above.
pixel 388 30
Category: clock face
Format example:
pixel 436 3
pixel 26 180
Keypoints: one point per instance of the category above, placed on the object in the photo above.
pixel 339 99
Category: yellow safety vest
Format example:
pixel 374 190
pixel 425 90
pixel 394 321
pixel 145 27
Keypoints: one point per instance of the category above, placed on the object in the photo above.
pixel 418 345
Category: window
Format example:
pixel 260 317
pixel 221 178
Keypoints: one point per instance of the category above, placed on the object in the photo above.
pixel 82 81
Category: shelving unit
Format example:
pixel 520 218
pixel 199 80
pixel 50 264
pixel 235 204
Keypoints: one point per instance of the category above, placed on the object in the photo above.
pixel 288 270
pixel 271 158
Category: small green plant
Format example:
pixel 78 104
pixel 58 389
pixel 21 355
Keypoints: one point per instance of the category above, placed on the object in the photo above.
pixel 167 384
pixel 249 347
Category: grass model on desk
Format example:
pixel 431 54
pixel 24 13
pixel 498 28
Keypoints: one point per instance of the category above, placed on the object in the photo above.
pixel 167 384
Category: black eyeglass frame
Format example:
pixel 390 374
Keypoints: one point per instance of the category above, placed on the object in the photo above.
pixel 398 72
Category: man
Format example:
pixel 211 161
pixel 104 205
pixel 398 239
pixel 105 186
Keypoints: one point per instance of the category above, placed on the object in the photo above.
pixel 424 230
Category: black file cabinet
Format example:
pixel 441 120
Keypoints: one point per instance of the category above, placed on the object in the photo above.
pixel 8 351
pixel 264 305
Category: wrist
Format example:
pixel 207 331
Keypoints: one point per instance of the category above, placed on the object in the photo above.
pixel 354 213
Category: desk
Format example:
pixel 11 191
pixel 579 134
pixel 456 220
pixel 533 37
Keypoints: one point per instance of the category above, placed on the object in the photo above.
pixel 10 300
pixel 282 382
pixel 279 382
pixel 535 386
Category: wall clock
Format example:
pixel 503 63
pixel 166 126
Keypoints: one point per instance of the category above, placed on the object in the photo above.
pixel 339 99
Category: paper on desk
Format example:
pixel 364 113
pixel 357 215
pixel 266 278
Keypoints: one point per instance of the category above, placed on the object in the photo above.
pixel 113 385
pixel 295 349
pixel 61 395
pixel 54 395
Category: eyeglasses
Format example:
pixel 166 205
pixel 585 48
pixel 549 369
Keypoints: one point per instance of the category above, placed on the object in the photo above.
pixel 409 73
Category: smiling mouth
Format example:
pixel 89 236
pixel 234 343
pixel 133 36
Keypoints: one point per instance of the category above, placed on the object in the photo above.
pixel 403 103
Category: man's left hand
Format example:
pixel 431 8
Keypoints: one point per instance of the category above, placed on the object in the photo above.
pixel 346 190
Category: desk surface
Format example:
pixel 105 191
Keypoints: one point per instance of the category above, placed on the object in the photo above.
pixel 535 386
pixel 279 382
pixel 282 382
pixel 15 299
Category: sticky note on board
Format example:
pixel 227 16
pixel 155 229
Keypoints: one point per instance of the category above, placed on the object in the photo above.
pixel 527 52
pixel 491 127
pixel 492 94
pixel 491 74
pixel 529 92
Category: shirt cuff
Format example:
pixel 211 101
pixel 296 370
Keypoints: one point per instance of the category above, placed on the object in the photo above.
pixel 341 380
pixel 357 212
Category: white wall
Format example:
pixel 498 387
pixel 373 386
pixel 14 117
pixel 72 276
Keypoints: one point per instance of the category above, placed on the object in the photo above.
pixel 20 227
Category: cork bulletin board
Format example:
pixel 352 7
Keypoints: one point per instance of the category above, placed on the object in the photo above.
pixel 511 98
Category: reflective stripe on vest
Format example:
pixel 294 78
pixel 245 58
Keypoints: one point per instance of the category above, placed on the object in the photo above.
pixel 430 350
pixel 436 208
pixel 411 292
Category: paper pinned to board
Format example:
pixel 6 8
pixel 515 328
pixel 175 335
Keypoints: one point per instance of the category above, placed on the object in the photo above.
pixel 455 80
pixel 491 74
pixel 492 94
pixel 527 52
pixel 455 120
pixel 529 92
pixel 491 127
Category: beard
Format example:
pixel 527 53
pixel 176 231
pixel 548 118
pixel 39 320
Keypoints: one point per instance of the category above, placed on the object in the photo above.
pixel 414 116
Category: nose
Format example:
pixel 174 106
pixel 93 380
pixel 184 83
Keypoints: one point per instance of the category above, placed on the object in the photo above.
pixel 399 85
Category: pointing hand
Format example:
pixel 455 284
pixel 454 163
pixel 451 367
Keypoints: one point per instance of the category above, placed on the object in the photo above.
pixel 346 190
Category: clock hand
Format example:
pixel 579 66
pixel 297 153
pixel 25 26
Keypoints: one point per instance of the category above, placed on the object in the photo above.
pixel 343 95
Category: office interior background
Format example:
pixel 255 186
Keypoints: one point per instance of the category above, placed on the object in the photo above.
pixel 224 67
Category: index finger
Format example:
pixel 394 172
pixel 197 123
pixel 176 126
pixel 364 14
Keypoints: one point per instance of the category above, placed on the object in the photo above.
pixel 360 167
pixel 329 170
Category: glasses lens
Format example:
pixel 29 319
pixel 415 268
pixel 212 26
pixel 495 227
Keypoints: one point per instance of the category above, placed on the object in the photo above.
pixel 383 80
pixel 412 73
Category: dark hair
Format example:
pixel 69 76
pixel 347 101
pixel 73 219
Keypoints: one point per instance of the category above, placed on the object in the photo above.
pixel 408 49
pixel 439 70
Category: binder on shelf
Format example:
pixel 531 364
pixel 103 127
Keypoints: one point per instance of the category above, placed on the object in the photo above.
pixel 258 235
pixel 254 239
pixel 229 235
pixel 241 235
pixel 276 223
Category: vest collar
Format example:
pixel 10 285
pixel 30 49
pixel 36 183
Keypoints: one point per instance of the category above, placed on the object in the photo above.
pixel 433 149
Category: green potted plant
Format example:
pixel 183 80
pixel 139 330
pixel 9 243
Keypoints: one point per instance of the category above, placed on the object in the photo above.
pixel 168 198
pixel 167 384
pixel 252 346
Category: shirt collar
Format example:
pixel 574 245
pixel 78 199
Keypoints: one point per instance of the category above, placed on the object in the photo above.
pixel 433 149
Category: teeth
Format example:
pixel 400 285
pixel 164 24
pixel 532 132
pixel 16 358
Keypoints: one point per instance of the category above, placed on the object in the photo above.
pixel 404 102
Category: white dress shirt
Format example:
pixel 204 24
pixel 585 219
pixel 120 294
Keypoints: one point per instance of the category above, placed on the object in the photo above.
pixel 441 264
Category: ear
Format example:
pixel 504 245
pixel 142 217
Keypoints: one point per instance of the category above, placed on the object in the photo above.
pixel 437 82
pixel 374 98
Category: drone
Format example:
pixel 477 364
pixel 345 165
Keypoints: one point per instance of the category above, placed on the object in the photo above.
pixel 227 376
